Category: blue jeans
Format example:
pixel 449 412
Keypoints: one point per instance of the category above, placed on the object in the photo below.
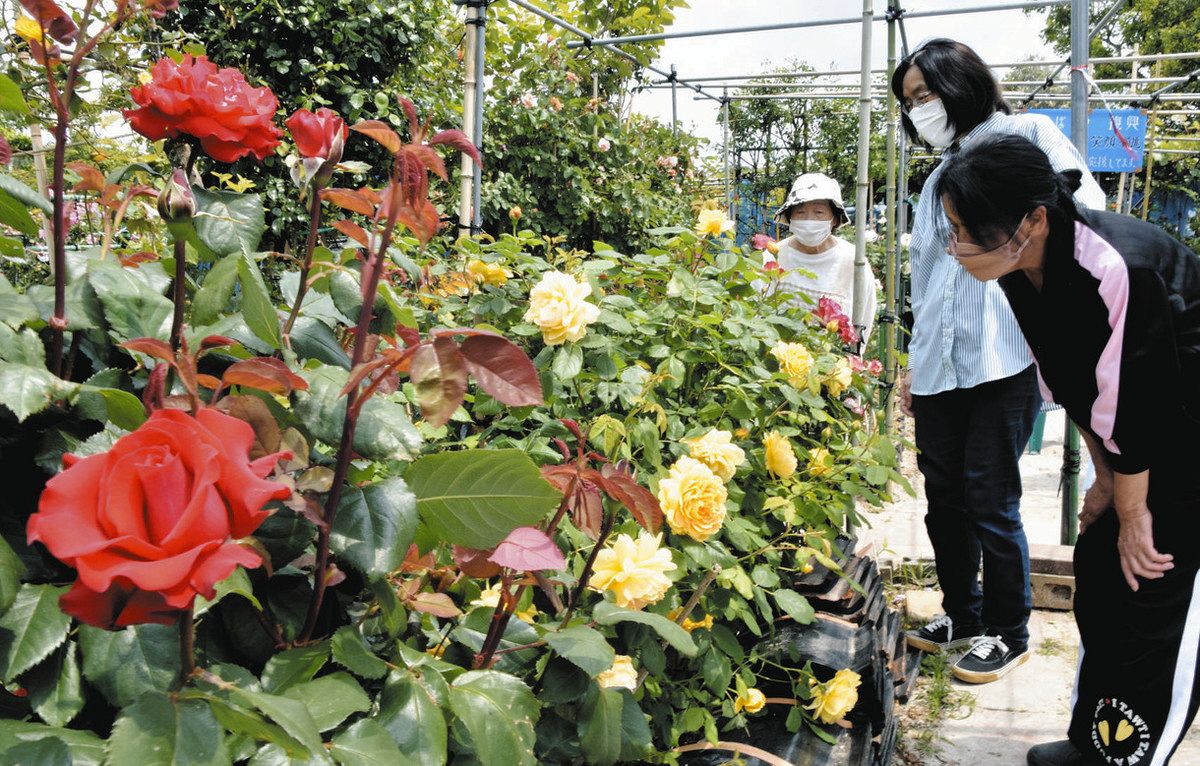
pixel 970 441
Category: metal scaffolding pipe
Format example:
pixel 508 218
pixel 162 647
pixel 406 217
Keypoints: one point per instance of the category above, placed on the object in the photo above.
pixel 612 42
pixel 1105 20
pixel 813 96
pixel 477 169
pixel 1134 99
pixel 1157 96
pixel 466 168
pixel 887 322
pixel 863 197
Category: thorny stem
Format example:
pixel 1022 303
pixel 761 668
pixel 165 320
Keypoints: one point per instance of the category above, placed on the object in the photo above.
pixel 178 295
pixel 605 528
pixel 687 610
pixel 314 222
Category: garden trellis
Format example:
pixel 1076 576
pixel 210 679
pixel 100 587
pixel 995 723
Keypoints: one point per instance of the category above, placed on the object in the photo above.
pixel 871 96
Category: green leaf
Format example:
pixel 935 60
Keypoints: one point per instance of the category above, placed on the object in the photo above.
pixel 499 713
pixel 159 730
pixel 584 646
pixel 16 308
pixel 48 751
pixel 474 498
pixel 24 194
pixel 127 663
pixel 16 215
pixel 384 431
pixel 331 699
pixel 212 297
pixel 635 730
pixel 412 716
pixel 86 748
pixel 132 307
pixel 240 721
pixel 600 726
pixel 350 652
pixel 25 390
pixel 237 583
pixel 375 526
pixel 290 714
pixel 607 613
pixel 56 688
pixel 294 666
pixel 122 408
pixel 568 361
pixel 312 339
pixel 795 605
pixel 11 99
pixel 31 629
pixel 228 222
pixel 257 309
pixel 367 743
pixel 11 572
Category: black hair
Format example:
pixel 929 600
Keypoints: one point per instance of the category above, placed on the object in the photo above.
pixel 1000 178
pixel 959 77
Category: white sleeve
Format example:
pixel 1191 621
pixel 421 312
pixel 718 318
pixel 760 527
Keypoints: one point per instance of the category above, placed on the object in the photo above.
pixel 1063 155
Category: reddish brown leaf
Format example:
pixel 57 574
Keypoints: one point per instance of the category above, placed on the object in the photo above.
pixel 151 347
pixel 90 178
pixel 380 132
pixel 437 604
pixel 54 20
pixel 254 411
pixel 560 476
pixel 216 341
pixel 108 197
pixel 502 369
pixel 349 199
pixel 459 141
pixel 415 562
pixel 152 394
pixel 474 562
pixel 439 374
pixel 587 510
pixel 353 231
pixel 410 110
pixel 528 549
pixel 431 159
pixel 409 335
pixel 133 259
pixel 208 381
pixel 266 374
pixel 626 491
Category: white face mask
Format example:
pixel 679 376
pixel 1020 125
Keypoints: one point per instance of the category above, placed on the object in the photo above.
pixel 932 124
pixel 811 233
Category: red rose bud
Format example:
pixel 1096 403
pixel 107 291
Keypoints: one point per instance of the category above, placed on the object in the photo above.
pixel 514 212
pixel 156 520
pixel 176 202
pixel 317 134
pixel 217 106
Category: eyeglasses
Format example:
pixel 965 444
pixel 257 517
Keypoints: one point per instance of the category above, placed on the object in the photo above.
pixel 970 250
pixel 919 99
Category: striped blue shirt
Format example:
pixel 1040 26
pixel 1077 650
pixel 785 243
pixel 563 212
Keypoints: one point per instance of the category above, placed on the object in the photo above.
pixel 964 332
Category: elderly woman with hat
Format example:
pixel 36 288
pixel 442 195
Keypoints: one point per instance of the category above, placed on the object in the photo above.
pixel 816 263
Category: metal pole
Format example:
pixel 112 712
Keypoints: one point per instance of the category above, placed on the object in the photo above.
pixel 480 49
pixel 674 107
pixel 615 41
pixel 863 197
pixel 1080 40
pixel 466 168
pixel 725 150
pixel 888 334
pixel 1086 39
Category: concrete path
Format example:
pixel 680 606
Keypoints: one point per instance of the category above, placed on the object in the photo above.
pixel 1031 704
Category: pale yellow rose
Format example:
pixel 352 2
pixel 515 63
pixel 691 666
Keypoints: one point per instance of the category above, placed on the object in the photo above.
pixel 488 597
pixel 713 222
pixel 28 29
pixel 832 700
pixel 688 623
pixel 795 361
pixel 840 377
pixel 751 701
pixel 693 499
pixel 820 463
pixel 558 306
pixel 634 570
pixel 716 450
pixel 488 273
pixel 780 456
pixel 621 675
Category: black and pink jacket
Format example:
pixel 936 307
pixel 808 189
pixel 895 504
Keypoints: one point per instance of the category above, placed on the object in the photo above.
pixel 1115 332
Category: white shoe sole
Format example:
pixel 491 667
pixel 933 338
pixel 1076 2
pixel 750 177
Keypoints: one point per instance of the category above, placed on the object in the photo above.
pixel 974 677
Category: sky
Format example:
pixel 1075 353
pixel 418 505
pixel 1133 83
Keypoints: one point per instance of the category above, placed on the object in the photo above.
pixel 998 36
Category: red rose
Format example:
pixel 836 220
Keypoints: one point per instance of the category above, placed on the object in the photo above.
pixel 154 521
pixel 315 134
pixel 217 106
pixel 159 8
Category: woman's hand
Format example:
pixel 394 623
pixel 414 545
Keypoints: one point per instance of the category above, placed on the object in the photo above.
pixel 1097 500
pixel 1135 543
pixel 904 395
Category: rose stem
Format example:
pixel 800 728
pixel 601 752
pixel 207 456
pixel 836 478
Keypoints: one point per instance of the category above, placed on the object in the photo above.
pixel 180 280
pixel 314 221
pixel 605 528
pixel 687 609
pixel 187 642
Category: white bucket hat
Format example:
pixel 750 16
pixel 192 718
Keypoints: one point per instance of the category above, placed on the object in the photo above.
pixel 813 186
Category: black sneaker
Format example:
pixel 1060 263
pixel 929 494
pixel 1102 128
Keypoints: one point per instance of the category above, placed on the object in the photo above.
pixel 939 636
pixel 1060 753
pixel 989 659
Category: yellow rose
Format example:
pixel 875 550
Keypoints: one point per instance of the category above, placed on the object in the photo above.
pixel 716 451
pixel 693 499
pixel 454 283
pixel 689 624
pixel 28 29
pixel 634 570
pixel 780 457
pixel 713 222
pixel 832 700
pixel 529 614
pixel 820 463
pixel 488 273
pixel 489 597
pixel 773 247
pixel 795 361
pixel 558 307
pixel 620 676
pixel 436 651
pixel 840 377
pixel 751 701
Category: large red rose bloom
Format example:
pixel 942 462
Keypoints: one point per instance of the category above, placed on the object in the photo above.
pixel 154 521
pixel 229 117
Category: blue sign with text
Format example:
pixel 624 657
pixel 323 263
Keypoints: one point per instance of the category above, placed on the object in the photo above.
pixel 1105 151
